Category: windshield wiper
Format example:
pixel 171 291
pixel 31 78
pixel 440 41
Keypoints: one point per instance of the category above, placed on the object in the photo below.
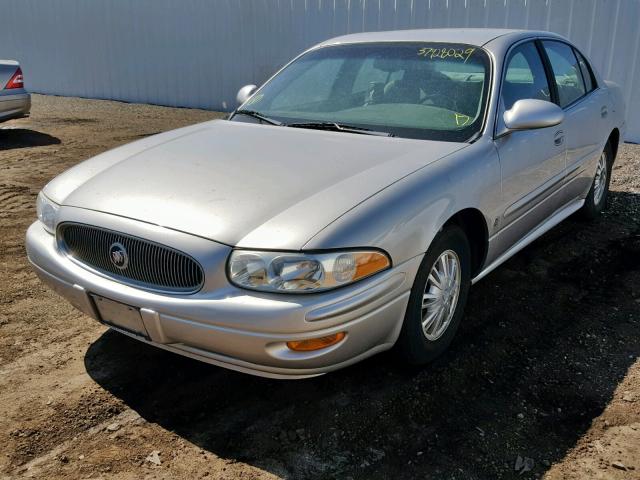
pixel 259 116
pixel 338 127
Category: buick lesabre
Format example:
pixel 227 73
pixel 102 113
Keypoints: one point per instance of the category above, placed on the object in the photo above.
pixel 345 208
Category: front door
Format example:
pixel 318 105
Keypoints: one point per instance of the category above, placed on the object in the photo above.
pixel 532 161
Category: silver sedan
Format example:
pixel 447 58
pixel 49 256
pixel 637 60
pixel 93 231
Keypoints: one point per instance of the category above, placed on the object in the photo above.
pixel 346 207
pixel 15 102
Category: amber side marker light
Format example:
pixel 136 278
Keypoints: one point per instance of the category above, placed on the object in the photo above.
pixel 311 344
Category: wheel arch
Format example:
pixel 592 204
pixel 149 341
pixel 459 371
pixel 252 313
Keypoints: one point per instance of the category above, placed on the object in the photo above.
pixel 474 224
pixel 614 141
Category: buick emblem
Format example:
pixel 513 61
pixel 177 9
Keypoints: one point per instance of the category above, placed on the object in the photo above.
pixel 118 255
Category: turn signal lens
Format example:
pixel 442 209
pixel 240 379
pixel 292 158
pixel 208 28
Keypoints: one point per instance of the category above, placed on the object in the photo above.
pixel 370 263
pixel 312 344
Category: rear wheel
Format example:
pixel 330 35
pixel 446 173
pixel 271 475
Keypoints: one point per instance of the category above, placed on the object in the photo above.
pixel 437 299
pixel 596 200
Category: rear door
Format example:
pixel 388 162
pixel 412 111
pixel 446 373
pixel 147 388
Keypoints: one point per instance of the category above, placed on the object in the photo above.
pixel 585 107
pixel 532 161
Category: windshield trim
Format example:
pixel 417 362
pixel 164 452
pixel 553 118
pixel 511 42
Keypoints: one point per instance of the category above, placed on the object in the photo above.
pixel 482 129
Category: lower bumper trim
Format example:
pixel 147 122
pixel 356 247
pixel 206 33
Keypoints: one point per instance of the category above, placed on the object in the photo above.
pixel 250 368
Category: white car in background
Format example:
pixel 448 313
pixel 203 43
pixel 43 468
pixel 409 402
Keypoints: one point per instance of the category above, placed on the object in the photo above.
pixel 15 102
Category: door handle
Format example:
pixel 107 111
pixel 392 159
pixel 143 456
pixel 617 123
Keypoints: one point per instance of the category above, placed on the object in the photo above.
pixel 558 139
pixel 603 112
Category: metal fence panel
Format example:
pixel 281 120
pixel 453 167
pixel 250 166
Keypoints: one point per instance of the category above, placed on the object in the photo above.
pixel 197 53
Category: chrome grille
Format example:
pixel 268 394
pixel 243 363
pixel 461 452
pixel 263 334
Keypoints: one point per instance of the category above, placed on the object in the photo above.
pixel 150 265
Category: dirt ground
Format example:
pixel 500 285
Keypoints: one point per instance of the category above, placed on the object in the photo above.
pixel 542 380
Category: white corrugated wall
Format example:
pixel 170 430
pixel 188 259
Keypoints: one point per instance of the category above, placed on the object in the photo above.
pixel 197 53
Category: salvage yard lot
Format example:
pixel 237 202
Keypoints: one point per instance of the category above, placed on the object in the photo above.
pixel 542 380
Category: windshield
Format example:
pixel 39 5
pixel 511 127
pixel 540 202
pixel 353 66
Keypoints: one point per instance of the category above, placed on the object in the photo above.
pixel 429 91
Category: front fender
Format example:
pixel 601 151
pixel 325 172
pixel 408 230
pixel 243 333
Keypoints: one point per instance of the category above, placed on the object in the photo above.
pixel 404 218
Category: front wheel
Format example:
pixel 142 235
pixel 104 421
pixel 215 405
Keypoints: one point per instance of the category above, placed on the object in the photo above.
pixel 596 199
pixel 437 299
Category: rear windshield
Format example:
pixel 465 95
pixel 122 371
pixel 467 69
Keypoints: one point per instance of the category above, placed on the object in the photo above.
pixel 431 91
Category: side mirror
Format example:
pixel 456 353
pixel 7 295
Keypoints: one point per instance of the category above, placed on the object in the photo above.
pixel 529 114
pixel 245 93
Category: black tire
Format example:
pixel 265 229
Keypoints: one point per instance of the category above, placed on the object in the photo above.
pixel 413 346
pixel 593 207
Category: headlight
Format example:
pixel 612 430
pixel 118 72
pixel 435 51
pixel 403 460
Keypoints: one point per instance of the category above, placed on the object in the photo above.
pixel 293 272
pixel 47 212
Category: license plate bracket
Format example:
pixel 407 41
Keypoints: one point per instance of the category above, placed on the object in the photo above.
pixel 119 315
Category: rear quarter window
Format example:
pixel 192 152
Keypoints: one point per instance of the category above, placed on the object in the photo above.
pixel 587 72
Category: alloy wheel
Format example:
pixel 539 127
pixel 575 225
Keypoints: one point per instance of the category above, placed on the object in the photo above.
pixel 440 296
pixel 600 180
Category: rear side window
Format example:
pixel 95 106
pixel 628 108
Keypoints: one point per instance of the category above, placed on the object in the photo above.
pixel 566 72
pixel 525 76
pixel 587 73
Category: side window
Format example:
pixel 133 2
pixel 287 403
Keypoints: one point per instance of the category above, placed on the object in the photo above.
pixel 587 73
pixel 525 76
pixel 566 72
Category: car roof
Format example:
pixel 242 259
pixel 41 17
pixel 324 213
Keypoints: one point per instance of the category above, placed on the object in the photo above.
pixel 471 36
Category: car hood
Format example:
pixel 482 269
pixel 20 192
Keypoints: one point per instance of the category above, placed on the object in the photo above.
pixel 243 184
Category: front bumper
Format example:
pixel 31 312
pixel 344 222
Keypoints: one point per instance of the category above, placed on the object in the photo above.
pixel 231 327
